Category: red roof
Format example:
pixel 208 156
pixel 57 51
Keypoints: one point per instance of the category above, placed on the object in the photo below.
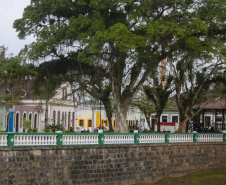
pixel 217 103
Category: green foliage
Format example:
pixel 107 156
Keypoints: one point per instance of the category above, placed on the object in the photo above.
pixel 53 128
pixel 125 39
pixel 35 130
pixel 26 123
pixel 132 128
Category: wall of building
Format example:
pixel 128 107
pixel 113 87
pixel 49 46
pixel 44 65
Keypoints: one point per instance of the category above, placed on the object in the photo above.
pixel 213 114
pixel 106 164
pixel 85 114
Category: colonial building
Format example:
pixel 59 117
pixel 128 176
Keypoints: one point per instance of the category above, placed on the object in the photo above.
pixel 214 113
pixel 61 108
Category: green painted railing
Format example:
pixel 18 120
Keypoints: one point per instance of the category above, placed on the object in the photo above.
pixel 65 139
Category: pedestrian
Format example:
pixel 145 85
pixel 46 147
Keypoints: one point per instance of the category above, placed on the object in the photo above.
pixel 212 129
pixel 200 129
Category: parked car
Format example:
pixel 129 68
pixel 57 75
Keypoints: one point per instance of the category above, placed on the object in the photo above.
pixel 100 128
pixel 106 128
pixel 82 129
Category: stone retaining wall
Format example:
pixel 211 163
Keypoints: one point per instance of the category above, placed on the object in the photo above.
pixel 107 164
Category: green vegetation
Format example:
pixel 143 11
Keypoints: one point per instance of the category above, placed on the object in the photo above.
pixel 54 128
pixel 206 177
pixel 26 124
pixel 124 41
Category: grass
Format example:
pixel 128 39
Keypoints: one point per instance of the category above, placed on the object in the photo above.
pixel 205 177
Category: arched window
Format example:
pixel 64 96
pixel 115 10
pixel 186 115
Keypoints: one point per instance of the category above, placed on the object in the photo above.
pixel 54 117
pixel 62 119
pixel 65 121
pixel 30 118
pixel 17 121
pixel 58 117
pixel 36 121
pixel 73 119
pixel 69 120
pixel 24 117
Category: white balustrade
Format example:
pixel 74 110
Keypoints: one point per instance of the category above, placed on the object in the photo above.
pixel 3 140
pixel 34 140
pixel 210 138
pixel 80 139
pixel 180 138
pixel 119 139
pixel 152 138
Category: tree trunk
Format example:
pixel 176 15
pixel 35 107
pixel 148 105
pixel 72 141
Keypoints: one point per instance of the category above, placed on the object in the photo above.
pixel 110 124
pixel 109 112
pixel 158 123
pixel 182 126
pixel 149 123
pixel 120 115
pixel 153 126
pixel 46 112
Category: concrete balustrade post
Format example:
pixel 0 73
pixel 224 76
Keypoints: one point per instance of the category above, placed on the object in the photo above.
pixel 167 138
pixel 59 139
pixel 136 138
pixel 195 136
pixel 101 138
pixel 10 139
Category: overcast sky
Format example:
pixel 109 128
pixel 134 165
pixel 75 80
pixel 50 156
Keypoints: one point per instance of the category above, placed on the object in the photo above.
pixel 11 10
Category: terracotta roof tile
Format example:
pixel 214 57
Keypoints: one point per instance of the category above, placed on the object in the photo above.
pixel 217 103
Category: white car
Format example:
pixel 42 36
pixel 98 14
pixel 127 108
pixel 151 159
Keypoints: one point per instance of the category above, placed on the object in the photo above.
pixel 82 129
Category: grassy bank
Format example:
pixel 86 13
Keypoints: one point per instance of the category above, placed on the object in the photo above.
pixel 206 177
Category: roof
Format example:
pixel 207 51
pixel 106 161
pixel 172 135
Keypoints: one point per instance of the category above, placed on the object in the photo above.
pixel 21 89
pixel 216 103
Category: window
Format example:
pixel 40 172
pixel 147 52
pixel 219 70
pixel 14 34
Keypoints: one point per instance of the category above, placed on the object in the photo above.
pixel 175 119
pixel 30 118
pixel 25 115
pixel 81 122
pixel 62 118
pixel 218 118
pixel 69 120
pixel 164 118
pixel 89 123
pixel 73 119
pixel 65 118
pixel 17 121
pixel 54 117
pixel 35 121
pixel 58 117
pixel 64 94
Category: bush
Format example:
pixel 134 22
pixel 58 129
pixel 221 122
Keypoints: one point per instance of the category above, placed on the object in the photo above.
pixel 132 128
pixel 26 123
pixel 53 128
pixel 35 130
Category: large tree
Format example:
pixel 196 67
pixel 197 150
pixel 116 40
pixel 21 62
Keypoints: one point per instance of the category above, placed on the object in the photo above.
pixel 126 38
pixel 14 75
pixel 159 93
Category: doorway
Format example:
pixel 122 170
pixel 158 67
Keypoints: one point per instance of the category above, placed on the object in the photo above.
pixel 207 121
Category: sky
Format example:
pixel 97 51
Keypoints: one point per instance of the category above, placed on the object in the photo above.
pixel 11 10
